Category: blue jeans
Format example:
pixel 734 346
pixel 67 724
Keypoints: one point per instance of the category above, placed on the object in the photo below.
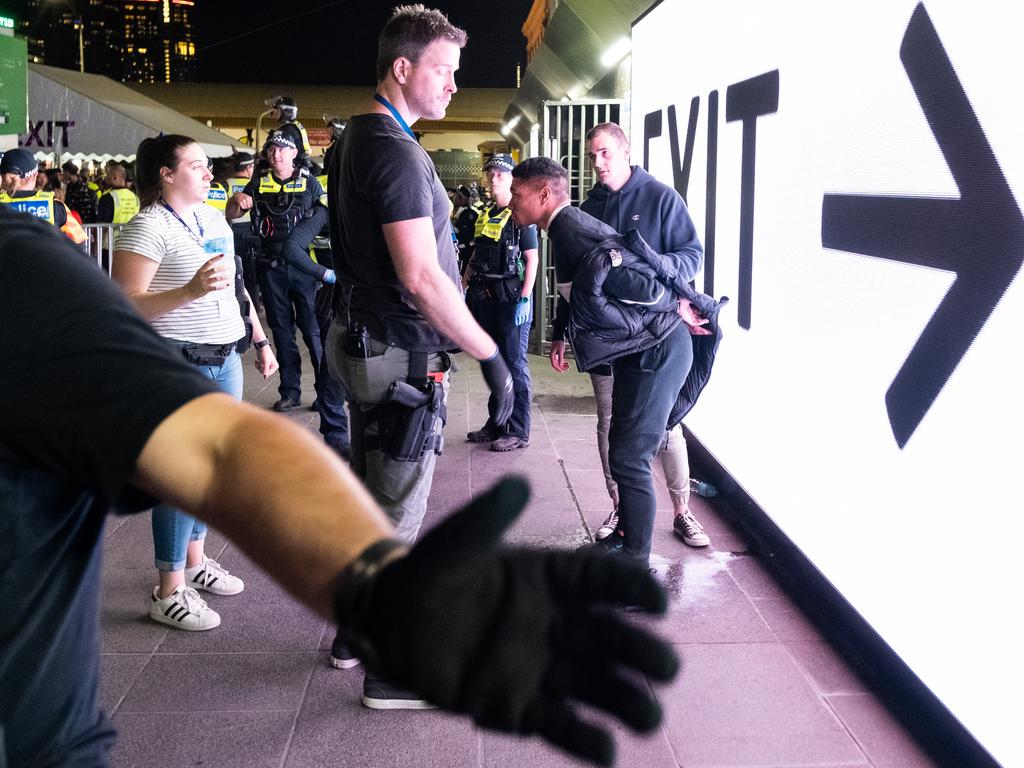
pixel 499 320
pixel 172 528
pixel 645 388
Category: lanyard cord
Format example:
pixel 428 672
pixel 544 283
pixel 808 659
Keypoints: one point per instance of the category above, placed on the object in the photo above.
pixel 395 114
pixel 174 213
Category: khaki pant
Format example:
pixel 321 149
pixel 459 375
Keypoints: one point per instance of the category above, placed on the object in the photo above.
pixel 400 487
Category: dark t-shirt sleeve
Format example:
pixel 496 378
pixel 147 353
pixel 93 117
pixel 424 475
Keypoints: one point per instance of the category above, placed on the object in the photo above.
pixel 87 379
pixel 528 238
pixel 411 199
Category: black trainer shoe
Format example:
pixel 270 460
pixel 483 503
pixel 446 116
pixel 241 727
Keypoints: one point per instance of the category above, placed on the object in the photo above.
pixel 341 656
pixel 285 404
pixel 378 694
pixel 485 435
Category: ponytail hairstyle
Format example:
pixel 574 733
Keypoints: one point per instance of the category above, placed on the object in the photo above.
pixel 153 154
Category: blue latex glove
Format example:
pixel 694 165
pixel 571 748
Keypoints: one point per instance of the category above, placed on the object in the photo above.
pixel 329 277
pixel 523 310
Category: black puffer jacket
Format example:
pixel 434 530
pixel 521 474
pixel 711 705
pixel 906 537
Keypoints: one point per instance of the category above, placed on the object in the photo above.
pixel 623 301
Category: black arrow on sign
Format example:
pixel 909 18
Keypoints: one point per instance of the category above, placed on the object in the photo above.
pixel 979 236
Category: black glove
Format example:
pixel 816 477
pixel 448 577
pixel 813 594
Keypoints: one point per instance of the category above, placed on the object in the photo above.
pixel 508 636
pixel 499 381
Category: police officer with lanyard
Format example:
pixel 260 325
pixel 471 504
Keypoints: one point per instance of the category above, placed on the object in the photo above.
pixel 278 201
pixel 499 286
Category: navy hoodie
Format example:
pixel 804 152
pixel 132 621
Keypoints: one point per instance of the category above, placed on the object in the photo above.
pixel 657 212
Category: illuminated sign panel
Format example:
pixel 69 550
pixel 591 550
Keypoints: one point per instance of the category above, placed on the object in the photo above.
pixel 857 174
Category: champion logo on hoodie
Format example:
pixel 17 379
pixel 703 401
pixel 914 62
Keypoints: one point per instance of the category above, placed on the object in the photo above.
pixel 636 217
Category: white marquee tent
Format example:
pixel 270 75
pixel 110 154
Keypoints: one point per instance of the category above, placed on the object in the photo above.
pixel 91 117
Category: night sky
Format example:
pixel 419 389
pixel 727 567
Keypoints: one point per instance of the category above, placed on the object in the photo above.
pixel 335 41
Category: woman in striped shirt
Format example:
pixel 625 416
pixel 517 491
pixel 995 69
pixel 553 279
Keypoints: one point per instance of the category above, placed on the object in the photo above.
pixel 175 260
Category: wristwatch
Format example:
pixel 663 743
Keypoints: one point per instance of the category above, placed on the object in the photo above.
pixel 262 344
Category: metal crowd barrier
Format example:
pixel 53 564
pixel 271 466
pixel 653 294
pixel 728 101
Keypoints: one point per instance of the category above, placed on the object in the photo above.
pixel 101 243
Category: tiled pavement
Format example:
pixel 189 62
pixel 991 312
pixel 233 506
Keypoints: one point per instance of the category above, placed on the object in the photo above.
pixel 759 685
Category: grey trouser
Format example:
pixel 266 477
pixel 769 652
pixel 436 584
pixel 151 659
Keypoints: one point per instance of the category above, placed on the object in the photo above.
pixel 400 487
pixel 674 460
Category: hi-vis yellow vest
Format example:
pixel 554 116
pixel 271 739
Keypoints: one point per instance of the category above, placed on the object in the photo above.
pixel 126 204
pixel 269 186
pixel 39 205
pixel 236 184
pixel 217 197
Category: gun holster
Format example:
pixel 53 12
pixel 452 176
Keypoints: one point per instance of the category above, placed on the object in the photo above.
pixel 406 420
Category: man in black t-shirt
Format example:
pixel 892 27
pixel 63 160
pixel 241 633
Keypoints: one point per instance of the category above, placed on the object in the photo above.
pixel 100 413
pixel 399 307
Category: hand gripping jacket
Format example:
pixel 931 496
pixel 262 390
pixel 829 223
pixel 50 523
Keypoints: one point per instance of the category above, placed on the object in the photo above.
pixel 623 301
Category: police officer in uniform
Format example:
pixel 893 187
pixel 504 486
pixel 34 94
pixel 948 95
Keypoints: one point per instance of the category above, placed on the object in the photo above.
pixel 499 288
pixel 247 243
pixel 19 172
pixel 278 201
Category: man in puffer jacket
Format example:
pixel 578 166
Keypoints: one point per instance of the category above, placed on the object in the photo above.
pixel 627 197
pixel 632 308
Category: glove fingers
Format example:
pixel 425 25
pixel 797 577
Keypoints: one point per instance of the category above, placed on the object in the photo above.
pixel 633 647
pixel 560 726
pixel 632 703
pixel 616 580
pixel 479 525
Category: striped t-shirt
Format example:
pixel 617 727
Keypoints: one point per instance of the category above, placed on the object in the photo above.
pixel 180 248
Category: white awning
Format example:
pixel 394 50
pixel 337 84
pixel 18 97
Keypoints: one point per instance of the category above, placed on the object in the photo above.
pixel 91 116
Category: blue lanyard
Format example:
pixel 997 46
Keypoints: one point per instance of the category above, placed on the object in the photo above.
pixel 174 213
pixel 395 114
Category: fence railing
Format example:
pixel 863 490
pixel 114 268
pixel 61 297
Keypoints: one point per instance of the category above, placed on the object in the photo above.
pixel 101 243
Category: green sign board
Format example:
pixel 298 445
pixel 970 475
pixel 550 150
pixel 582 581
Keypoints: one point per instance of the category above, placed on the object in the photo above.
pixel 13 85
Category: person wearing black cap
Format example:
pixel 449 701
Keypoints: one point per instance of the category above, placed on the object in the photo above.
pixel 19 170
pixel 247 244
pixel 279 200
pixel 499 292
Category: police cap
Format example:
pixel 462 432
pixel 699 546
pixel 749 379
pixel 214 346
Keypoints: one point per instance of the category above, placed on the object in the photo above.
pixel 501 162
pixel 19 161
pixel 281 139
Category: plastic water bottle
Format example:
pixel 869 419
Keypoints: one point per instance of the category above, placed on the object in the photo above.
pixel 703 488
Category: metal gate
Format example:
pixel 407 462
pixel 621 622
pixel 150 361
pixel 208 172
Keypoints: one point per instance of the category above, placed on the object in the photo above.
pixel 563 138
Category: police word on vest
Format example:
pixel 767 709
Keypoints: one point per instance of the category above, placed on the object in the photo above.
pixel 217 197
pixel 236 184
pixel 497 247
pixel 39 205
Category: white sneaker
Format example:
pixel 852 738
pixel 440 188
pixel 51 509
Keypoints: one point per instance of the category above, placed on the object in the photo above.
pixel 609 526
pixel 211 576
pixel 689 530
pixel 183 609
